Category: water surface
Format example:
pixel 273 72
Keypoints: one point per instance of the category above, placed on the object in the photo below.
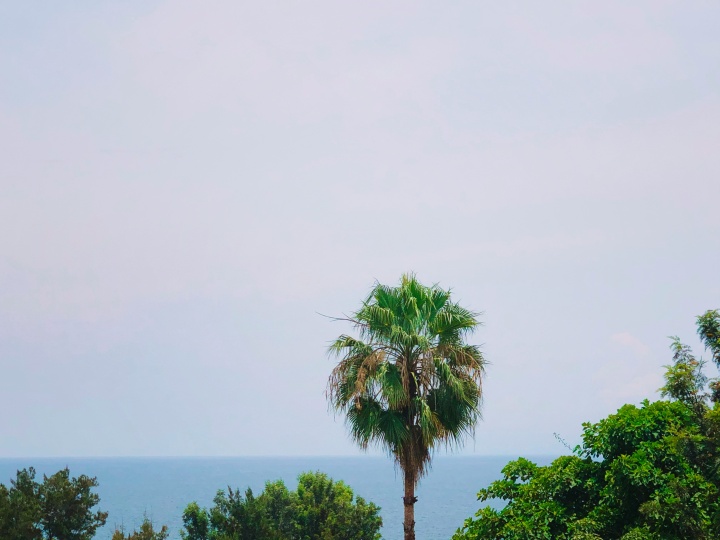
pixel 162 487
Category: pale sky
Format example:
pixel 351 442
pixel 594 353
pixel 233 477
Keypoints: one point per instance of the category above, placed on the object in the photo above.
pixel 185 185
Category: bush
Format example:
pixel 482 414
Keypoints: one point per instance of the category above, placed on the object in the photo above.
pixel 319 509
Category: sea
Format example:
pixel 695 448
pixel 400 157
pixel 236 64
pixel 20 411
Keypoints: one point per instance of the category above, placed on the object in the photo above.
pixel 161 488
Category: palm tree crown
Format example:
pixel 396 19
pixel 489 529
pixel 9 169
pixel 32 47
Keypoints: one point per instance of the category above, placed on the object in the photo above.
pixel 409 382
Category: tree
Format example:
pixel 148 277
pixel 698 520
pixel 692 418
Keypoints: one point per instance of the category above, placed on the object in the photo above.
pixel 325 509
pixel 708 328
pixel 20 508
pixel 320 509
pixel 409 382
pixel 59 508
pixel 643 473
pixel 147 532
pixel 67 507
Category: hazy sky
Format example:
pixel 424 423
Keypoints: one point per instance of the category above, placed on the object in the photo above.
pixel 184 185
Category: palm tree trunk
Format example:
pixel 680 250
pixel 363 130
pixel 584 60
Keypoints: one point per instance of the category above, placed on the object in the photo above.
pixel 409 500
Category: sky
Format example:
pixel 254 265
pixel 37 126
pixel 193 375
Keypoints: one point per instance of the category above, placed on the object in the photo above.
pixel 186 186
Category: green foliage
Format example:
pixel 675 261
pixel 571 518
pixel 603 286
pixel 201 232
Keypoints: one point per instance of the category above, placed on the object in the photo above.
pixel 320 509
pixel 146 532
pixel 409 382
pixel 59 508
pixel 20 508
pixel 708 328
pixel 709 331
pixel 197 523
pixel 643 473
pixel 684 379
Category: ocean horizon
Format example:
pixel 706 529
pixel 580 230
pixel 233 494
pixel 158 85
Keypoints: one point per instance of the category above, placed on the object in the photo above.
pixel 160 488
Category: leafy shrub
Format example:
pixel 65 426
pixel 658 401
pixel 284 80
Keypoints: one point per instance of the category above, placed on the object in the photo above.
pixel 319 509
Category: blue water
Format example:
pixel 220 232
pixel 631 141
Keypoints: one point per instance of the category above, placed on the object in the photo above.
pixel 162 487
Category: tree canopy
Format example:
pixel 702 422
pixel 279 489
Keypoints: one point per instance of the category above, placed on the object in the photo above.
pixel 320 508
pixel 647 472
pixel 58 508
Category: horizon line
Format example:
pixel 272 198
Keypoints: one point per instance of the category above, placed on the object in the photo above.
pixel 263 456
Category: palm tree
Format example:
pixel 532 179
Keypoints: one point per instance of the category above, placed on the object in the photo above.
pixel 409 382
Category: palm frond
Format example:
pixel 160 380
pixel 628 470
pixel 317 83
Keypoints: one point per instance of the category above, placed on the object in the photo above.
pixel 409 382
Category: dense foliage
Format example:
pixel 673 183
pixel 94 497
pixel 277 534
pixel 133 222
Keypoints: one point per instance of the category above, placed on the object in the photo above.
pixel 320 509
pixel 648 472
pixel 59 508
pixel 409 382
